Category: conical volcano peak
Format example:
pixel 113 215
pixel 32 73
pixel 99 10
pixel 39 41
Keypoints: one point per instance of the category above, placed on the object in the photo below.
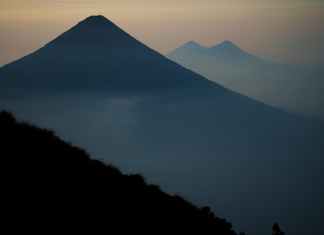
pixel 192 44
pixel 226 45
pixel 226 50
pixel 96 20
pixel 92 32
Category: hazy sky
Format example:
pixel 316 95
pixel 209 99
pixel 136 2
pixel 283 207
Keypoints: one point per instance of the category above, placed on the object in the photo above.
pixel 285 30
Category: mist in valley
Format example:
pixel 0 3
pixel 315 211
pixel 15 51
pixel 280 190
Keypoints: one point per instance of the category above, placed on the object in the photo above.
pixel 186 146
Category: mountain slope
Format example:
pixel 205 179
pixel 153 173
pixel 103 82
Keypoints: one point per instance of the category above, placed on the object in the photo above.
pixel 96 54
pixel 66 188
pixel 100 88
pixel 290 87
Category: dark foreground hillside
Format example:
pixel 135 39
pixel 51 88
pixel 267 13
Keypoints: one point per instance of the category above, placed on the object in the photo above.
pixel 52 185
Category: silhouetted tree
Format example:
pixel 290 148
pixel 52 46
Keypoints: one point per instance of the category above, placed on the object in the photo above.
pixel 276 230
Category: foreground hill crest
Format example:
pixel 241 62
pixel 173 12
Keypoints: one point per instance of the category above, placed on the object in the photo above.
pixel 60 183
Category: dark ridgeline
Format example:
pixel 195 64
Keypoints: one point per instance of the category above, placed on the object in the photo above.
pixel 50 183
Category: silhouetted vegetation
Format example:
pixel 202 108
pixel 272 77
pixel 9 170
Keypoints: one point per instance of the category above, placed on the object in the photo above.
pixel 276 230
pixel 51 184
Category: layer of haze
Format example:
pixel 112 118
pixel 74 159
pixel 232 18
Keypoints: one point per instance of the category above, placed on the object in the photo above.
pixel 289 31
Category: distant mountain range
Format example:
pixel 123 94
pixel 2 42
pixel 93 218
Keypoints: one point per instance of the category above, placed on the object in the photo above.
pixel 294 88
pixel 100 88
pixel 226 50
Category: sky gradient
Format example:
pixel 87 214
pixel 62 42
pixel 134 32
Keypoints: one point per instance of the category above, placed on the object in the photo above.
pixel 289 31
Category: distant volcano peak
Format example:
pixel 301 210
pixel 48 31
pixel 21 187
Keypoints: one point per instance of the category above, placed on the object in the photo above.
pixel 226 45
pixel 226 51
pixel 191 46
pixel 193 43
pixel 224 48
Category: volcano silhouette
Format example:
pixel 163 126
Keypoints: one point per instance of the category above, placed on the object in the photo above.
pixel 97 54
pixel 224 51
pixel 101 89
pixel 295 88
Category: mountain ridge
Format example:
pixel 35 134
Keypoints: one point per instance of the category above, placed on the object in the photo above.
pixel 225 50
pixel 133 107
pixel 96 51
pixel 77 188
pixel 294 88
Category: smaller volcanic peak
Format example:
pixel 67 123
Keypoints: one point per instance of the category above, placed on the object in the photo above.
pixel 189 47
pixel 227 47
pixel 228 44
pixel 192 45
pixel 226 50
pixel 229 51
